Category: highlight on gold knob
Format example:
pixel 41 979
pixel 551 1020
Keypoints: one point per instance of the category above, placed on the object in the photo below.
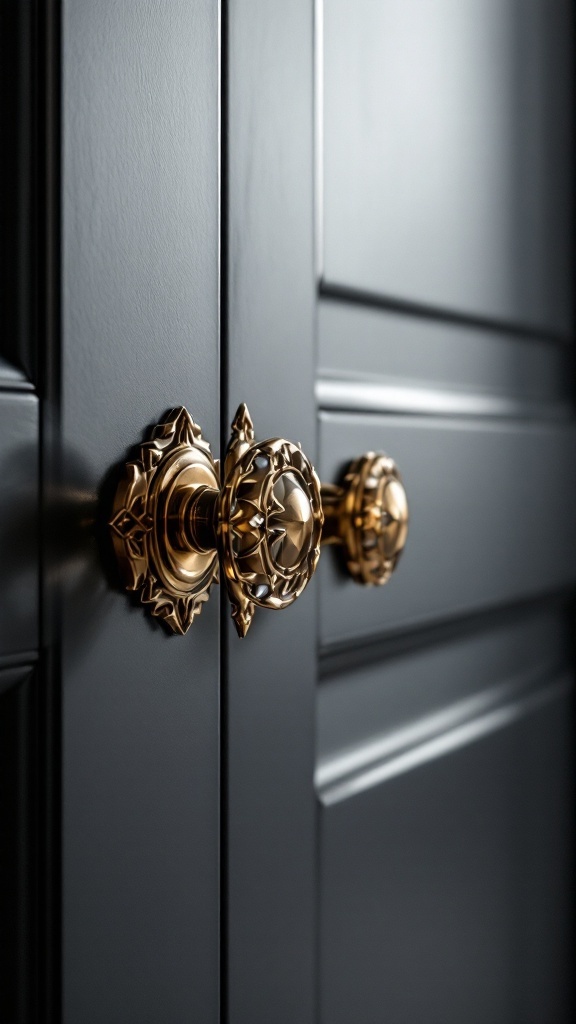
pixel 172 522
pixel 270 522
pixel 368 516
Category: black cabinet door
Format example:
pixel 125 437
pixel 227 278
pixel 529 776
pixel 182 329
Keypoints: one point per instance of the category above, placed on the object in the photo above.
pixel 139 334
pixel 112 828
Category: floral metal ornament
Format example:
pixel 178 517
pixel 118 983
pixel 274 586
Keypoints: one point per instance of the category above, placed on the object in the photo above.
pixel 154 556
pixel 270 522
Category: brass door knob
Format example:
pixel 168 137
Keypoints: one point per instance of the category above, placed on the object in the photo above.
pixel 174 522
pixel 368 516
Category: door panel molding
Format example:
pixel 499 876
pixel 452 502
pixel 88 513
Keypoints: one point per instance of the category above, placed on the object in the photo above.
pixel 376 720
pixel 19 496
pixel 13 379
pixel 436 735
pixel 479 500
pixel 456 874
pixel 380 347
pixel 344 395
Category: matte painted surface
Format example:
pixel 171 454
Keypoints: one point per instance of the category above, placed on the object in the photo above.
pixel 140 335
pixel 444 750
pixel 18 845
pixel 492 508
pixel 271 674
pixel 377 709
pixel 447 155
pixel 18 523
pixel 19 110
pixel 445 893
pixel 357 343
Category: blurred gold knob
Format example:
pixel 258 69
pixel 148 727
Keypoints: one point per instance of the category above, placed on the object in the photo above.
pixel 368 516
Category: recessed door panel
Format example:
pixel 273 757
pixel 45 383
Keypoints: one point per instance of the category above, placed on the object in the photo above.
pixel 445 890
pixel 492 505
pixel 445 142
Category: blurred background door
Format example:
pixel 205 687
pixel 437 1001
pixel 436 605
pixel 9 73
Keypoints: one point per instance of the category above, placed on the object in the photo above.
pixel 430 879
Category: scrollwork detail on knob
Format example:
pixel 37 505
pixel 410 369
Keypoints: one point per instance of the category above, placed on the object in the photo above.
pixel 270 522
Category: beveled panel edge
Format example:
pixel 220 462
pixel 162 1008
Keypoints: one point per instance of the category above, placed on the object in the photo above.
pixel 346 395
pixel 19 519
pixel 12 378
pixel 436 735
pixel 351 620
pixel 489 372
pixel 15 674
pixel 351 295
pixel 336 659
pixel 21 660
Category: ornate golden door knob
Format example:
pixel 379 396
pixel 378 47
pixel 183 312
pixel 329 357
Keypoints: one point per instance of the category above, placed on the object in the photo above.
pixel 174 522
pixel 368 516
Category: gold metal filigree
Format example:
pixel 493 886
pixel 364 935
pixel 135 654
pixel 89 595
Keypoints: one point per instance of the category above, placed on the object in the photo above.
pixel 270 522
pixel 154 559
pixel 368 516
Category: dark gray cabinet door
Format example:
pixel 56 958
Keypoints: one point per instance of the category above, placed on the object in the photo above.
pixel 139 708
pixel 434 884
pixel 109 793
pixel 444 764
pixel 447 149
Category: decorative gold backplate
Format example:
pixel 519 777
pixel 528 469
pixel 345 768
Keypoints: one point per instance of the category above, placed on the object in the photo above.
pixel 171 521
pixel 171 576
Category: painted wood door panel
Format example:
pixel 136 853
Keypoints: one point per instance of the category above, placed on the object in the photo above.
pixel 139 708
pixel 446 177
pixel 19 841
pixel 444 771
pixel 19 522
pixel 450 902
pixel 483 531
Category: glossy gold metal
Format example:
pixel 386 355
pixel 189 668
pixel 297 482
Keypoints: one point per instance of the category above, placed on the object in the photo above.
pixel 368 516
pixel 270 522
pixel 156 514
pixel 172 521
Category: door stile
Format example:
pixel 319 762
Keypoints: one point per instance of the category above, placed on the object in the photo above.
pixel 268 305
